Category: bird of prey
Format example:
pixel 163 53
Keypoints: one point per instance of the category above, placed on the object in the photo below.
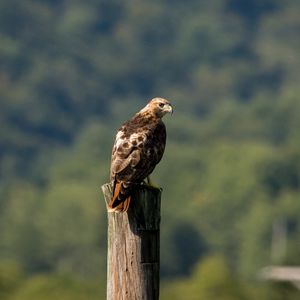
pixel 138 148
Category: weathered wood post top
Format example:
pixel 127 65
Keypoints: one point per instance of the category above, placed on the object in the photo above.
pixel 133 246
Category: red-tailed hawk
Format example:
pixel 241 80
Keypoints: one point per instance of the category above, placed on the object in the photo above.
pixel 138 148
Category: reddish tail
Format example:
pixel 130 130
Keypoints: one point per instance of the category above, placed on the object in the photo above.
pixel 120 200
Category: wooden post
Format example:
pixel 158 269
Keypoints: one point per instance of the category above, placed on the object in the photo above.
pixel 133 247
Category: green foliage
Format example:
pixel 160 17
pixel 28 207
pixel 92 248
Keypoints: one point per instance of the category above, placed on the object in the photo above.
pixel 212 279
pixel 11 277
pixel 72 71
pixel 58 287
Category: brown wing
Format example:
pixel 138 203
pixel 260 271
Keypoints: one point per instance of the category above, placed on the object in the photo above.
pixel 135 155
pixel 126 155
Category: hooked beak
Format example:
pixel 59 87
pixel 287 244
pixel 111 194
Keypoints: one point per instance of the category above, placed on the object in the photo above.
pixel 169 109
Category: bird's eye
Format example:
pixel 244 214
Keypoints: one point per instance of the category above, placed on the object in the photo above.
pixel 161 105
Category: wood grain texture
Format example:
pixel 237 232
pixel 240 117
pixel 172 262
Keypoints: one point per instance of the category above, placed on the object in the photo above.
pixel 133 247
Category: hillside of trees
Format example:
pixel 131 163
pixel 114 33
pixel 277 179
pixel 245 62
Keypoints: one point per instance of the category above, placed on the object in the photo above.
pixel 72 71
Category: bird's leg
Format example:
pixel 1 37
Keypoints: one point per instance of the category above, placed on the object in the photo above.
pixel 149 183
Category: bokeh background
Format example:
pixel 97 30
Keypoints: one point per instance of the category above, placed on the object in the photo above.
pixel 72 71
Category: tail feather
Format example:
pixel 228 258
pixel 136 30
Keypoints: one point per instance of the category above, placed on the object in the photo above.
pixel 120 200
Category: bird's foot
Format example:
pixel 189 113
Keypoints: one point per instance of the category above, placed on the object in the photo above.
pixel 149 183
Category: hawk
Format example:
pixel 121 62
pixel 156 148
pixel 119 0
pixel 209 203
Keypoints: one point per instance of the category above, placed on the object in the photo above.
pixel 138 148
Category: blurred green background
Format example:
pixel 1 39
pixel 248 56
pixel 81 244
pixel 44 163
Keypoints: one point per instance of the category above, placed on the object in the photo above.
pixel 72 71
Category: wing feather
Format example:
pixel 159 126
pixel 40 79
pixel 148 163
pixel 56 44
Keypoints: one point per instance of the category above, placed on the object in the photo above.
pixel 126 153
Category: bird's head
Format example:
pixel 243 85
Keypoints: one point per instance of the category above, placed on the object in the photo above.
pixel 159 107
